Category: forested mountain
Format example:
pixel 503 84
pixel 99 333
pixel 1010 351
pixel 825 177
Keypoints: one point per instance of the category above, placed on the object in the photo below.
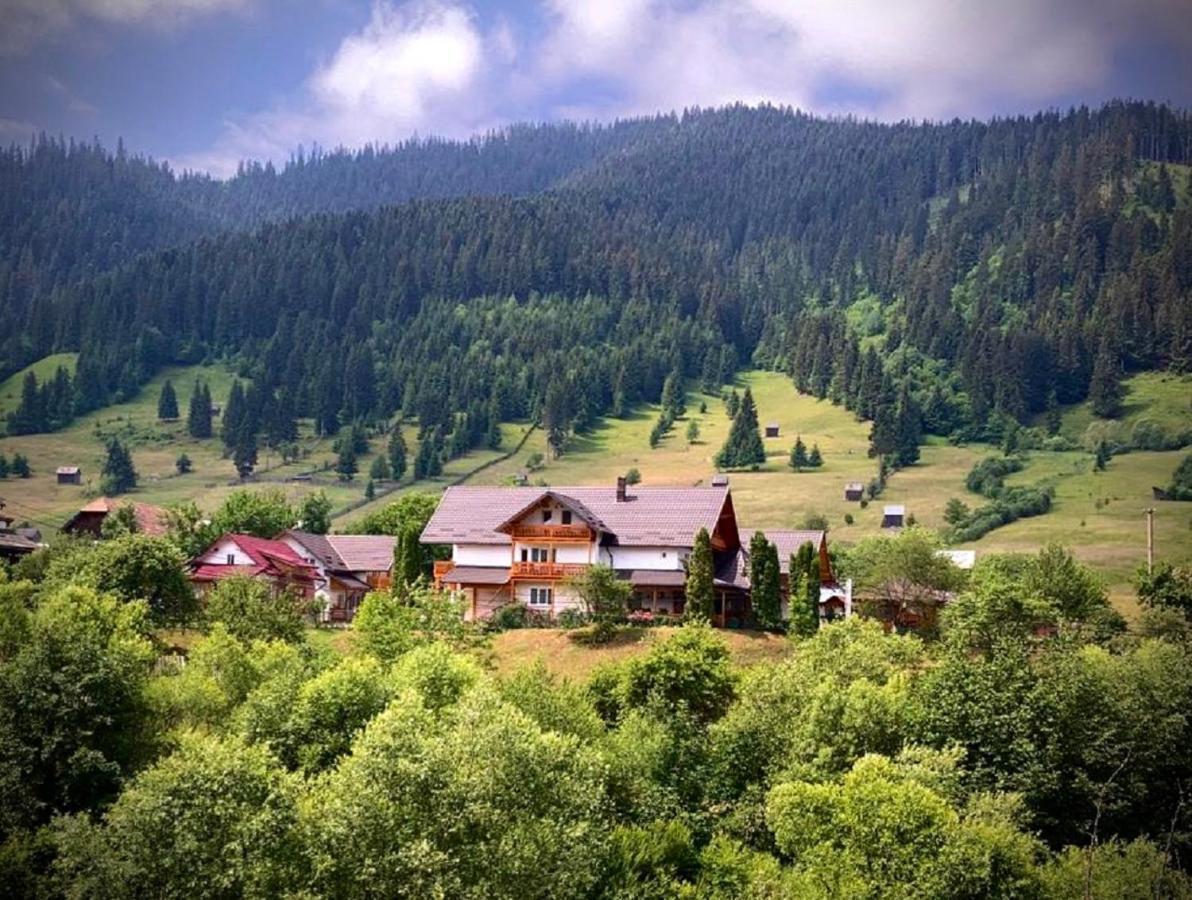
pixel 957 274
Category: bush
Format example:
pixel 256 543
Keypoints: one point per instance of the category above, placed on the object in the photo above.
pixel 633 476
pixel 516 615
pixel 988 477
pixel 1011 504
pixel 848 518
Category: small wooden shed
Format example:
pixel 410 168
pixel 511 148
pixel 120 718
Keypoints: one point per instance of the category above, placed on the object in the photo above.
pixel 69 475
pixel 719 481
pixel 893 516
pixel 771 429
pixel 854 491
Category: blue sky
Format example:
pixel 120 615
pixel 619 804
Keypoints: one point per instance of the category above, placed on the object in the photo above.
pixel 205 83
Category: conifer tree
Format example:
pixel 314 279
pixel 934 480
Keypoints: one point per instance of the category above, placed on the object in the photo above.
pixel 815 459
pixel 700 575
pixel 379 470
pixel 408 558
pixel 20 466
pixel 1105 389
pixel 884 433
pixel 804 612
pixel 1102 457
pixel 1053 418
pixel 799 459
pixel 119 475
pixel 182 464
pixel 396 452
pixel 672 395
pixel 908 428
pixel 345 461
pixel 244 452
pixel 198 418
pixel 167 402
pixel 3 466
pixel 743 446
pixel 234 415
pixel 764 582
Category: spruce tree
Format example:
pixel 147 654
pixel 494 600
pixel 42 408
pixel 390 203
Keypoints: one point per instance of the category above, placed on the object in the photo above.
pixel 20 466
pixel 119 475
pixel 379 470
pixel 908 428
pixel 700 576
pixel 799 459
pixel 198 416
pixel 397 453
pixel 884 434
pixel 804 614
pixel 345 462
pixel 244 453
pixel 743 447
pixel 182 464
pixel 3 466
pixel 672 395
pixel 234 415
pixel 815 459
pixel 1102 457
pixel 1105 389
pixel 764 582
pixel 167 402
pixel 408 559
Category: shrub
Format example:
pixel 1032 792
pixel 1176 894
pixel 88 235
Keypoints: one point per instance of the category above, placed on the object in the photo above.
pixel 988 477
pixel 1010 505
pixel 848 518
pixel 633 476
pixel 251 611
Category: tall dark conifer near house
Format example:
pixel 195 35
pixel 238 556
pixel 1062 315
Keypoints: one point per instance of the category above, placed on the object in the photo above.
pixel 764 582
pixel 234 415
pixel 700 575
pixel 119 474
pixel 908 427
pixel 397 452
pixel 167 402
pixel 199 414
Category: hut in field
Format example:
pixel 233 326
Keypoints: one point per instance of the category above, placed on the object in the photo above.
pixel 719 481
pixel 893 516
pixel 771 429
pixel 69 475
pixel 854 491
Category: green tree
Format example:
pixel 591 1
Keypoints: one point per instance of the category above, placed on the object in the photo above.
pixel 379 470
pixel 815 459
pixel 396 451
pixel 1167 587
pixel 72 713
pixel 3 466
pixel 182 465
pixel 409 559
pixel 120 521
pixel 167 402
pixel 700 572
pixel 688 673
pixel 216 818
pixel 199 415
pixel 1105 388
pixel 956 511
pixel 1102 457
pixel 604 596
pixel 134 567
pixel 743 447
pixel 799 460
pixel 804 590
pixel 119 475
pixel 693 431
pixel 633 476
pixel 901 579
pixel 764 584
pixel 262 513
pixel 251 611
pixel 20 466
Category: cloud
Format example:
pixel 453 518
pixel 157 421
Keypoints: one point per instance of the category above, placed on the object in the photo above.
pixel 437 67
pixel 28 21
pixel 418 68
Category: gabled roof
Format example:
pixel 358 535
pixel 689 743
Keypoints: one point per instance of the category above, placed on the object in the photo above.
pixel 572 503
pixel 348 552
pixel 894 510
pixel 650 516
pixel 150 519
pixel 269 557
pixel 67 470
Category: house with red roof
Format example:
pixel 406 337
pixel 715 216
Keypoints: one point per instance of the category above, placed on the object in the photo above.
pixel 89 520
pixel 272 561
pixel 523 544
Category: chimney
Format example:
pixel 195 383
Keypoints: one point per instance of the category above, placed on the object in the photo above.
pixel 621 489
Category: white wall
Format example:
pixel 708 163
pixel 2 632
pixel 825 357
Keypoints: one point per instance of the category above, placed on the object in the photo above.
pixel 563 598
pixel 218 555
pixel 644 557
pixel 481 555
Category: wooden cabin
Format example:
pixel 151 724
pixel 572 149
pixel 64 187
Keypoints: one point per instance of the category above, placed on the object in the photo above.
pixel 854 491
pixel 69 475
pixel 893 517
pixel 771 429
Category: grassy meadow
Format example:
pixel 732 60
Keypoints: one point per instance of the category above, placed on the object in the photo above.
pixel 1099 514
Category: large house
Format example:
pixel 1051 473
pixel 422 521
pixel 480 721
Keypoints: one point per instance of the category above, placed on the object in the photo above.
pixel 522 544
pixel 347 566
pixel 89 520
pixel 273 562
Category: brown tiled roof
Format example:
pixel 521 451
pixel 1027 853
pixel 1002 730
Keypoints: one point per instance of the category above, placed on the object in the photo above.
pixel 349 552
pixel 651 516
pixel 150 519
pixel 787 542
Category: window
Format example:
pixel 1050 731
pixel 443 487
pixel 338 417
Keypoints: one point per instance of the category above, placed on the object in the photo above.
pixel 231 559
pixel 541 554
pixel 566 517
pixel 525 555
pixel 540 596
pixel 546 515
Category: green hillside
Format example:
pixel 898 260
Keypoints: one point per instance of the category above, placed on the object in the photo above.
pixel 44 369
pixel 1099 514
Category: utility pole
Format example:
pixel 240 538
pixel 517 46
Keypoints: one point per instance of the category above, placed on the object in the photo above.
pixel 1150 540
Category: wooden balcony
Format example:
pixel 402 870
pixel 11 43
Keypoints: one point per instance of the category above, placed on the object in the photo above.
pixel 559 533
pixel 442 567
pixel 547 570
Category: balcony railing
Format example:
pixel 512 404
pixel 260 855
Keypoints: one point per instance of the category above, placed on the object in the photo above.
pixel 550 533
pixel 545 570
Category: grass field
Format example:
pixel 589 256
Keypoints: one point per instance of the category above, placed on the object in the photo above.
pixel 1100 515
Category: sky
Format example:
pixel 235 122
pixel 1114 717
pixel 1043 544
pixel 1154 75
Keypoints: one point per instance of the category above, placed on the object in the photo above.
pixel 205 84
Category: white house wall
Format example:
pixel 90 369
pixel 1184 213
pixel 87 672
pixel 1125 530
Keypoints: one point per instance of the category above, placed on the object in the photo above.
pixel 481 555
pixel 218 555
pixel 652 558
